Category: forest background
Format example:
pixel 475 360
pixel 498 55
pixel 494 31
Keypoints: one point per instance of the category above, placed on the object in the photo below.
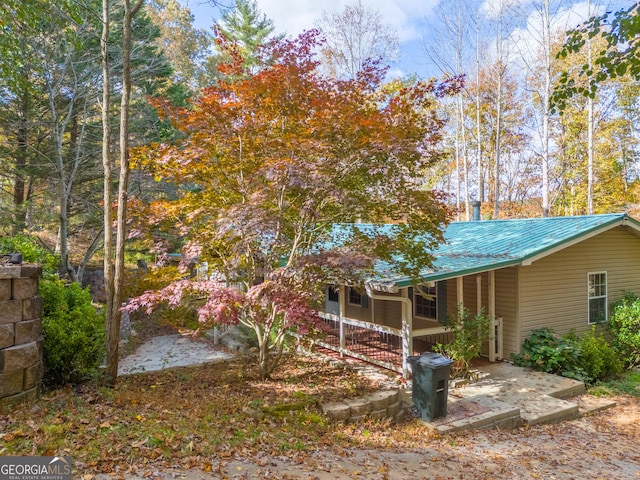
pixel 504 143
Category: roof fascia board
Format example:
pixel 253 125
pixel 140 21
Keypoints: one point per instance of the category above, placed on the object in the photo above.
pixel 632 223
pixel 460 273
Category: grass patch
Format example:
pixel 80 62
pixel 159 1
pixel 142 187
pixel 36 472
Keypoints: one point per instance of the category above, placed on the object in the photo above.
pixel 627 383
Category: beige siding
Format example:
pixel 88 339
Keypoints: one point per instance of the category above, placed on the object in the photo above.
pixel 469 290
pixel 553 290
pixel 393 313
pixel 506 302
pixel 378 311
pixel 452 296
pixel 470 293
pixel 388 312
pixel 507 308
pixel 358 313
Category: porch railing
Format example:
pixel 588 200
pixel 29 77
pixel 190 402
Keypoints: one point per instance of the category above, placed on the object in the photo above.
pixel 378 344
pixel 366 341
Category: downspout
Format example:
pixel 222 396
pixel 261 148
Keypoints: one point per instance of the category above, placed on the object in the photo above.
pixel 407 325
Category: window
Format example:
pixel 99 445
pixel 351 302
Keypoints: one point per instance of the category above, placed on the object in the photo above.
pixel 425 301
pixel 597 288
pixel 333 294
pixel 354 297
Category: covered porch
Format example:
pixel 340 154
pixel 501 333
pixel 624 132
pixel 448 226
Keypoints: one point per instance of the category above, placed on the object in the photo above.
pixel 386 324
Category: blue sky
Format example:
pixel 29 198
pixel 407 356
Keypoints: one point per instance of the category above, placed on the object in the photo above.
pixel 418 22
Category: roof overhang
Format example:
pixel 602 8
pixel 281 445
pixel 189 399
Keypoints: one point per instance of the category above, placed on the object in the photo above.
pixel 393 285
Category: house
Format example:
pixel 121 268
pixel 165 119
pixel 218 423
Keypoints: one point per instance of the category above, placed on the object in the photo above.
pixel 557 272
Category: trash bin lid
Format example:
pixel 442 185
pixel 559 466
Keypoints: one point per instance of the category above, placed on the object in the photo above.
pixel 431 359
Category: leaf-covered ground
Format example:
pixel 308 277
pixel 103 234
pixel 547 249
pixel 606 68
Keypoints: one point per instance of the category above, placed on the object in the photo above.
pixel 220 421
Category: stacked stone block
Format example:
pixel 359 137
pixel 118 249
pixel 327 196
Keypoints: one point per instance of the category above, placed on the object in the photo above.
pixel 21 366
pixel 94 279
pixel 377 405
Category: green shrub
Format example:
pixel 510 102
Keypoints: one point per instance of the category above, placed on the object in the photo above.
pixel 470 331
pixel 624 324
pixel 31 249
pixel 547 352
pixel 588 358
pixel 73 333
pixel 597 357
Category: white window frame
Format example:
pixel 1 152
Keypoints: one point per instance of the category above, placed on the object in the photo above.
pixel 416 294
pixel 349 302
pixel 331 291
pixel 591 295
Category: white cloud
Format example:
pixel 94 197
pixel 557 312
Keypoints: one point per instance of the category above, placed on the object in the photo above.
pixel 571 17
pixel 527 40
pixel 493 8
pixel 294 16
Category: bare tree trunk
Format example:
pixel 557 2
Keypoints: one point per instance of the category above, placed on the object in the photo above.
pixel 112 330
pixel 496 165
pixel 457 162
pixel 546 112
pixel 478 123
pixel 590 128
pixel 455 25
pixel 59 128
pixel 20 213
pixel 113 323
pixel 465 160
pixel 498 139
pixel 500 74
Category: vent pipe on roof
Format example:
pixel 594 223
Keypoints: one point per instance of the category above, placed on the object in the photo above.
pixel 476 210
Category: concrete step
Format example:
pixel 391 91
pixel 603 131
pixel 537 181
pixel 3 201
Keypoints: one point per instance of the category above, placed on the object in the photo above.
pixel 541 409
pixel 567 388
pixel 477 412
pixel 589 404
pixel 505 377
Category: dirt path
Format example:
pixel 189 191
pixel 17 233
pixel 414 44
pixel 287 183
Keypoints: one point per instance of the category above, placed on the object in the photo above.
pixel 603 446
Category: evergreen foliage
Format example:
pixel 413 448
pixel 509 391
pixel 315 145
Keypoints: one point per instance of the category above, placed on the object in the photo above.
pixel 73 332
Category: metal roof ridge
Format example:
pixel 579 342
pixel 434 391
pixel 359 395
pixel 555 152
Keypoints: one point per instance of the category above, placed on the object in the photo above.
pixel 563 217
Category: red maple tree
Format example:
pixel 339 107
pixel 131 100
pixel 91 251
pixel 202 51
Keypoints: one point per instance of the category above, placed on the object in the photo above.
pixel 268 163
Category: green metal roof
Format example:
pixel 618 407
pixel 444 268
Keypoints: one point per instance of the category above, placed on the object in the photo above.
pixel 472 247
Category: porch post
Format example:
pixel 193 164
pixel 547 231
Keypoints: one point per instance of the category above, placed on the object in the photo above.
pixel 341 299
pixel 372 307
pixel 407 331
pixel 492 315
pixel 460 291
pixel 478 293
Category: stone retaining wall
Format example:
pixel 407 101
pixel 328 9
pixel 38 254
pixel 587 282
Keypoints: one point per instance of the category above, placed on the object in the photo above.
pixel 21 366
pixel 94 279
pixel 377 405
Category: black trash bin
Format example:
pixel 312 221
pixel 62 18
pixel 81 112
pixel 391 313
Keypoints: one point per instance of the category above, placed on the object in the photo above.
pixel 430 372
